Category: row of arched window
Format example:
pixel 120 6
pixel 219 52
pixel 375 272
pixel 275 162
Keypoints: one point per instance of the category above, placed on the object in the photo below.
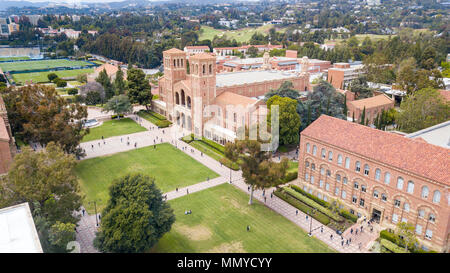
pixel 184 98
pixel 203 69
pixel 378 175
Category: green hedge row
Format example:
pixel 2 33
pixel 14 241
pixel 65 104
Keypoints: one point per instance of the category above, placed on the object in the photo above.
pixel 225 161
pixel 322 218
pixel 310 196
pixel 214 145
pixel 346 214
pixel 313 204
pixel 291 176
pixel 392 247
pixel 163 123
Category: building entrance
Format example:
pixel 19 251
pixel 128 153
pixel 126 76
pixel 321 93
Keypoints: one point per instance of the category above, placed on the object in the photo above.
pixel 376 215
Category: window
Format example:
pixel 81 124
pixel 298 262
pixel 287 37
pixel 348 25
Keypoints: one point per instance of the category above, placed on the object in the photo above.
pixel 361 202
pixel 338 177
pixel 305 188
pixel 419 229
pixel 319 195
pixel 347 163
pixel 345 180
pixel 404 220
pixel 330 156
pixel 336 191
pixel 406 207
pixel 322 170
pixel 424 192
pixel 310 191
pixel 421 213
pixel 327 186
pixel 375 193
pixel 363 188
pixel 383 197
pixel 308 147
pixel 356 185
pixel 358 166
pixel 312 179
pixel 321 183
pixel 410 188
pixel 397 203
pixel 307 164
pixel 323 153
pixel 313 166
pixel 339 160
pixel 344 194
pixel 400 183
pixel 394 218
pixel 387 178
pixel 328 173
pixel 429 234
pixel 366 169
pixel 377 174
pixel 306 176
pixel 210 68
pixel 436 196
pixel 432 218
pixel 354 199
pixel 325 198
pixel 314 150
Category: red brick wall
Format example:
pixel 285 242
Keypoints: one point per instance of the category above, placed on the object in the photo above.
pixel 5 157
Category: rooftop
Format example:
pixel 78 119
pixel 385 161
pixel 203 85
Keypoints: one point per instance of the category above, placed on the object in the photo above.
pixel 437 135
pixel 372 102
pixel 423 159
pixel 17 231
pixel 249 77
pixel 227 98
pixel 3 131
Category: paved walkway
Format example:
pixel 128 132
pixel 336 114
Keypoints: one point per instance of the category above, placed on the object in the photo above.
pixel 171 135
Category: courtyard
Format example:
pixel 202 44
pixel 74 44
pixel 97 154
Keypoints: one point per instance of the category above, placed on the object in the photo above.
pixel 116 127
pixel 218 223
pixel 170 167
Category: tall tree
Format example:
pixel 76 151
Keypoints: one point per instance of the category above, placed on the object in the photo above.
pixel 407 232
pixel 139 90
pixel 119 83
pixel 105 81
pixel 289 119
pixel 136 216
pixel 120 105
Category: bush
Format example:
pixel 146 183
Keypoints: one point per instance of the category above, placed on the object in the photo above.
pixel 310 196
pixel 225 161
pixel 291 176
pixel 302 206
pixel 93 98
pixel 72 91
pixel 163 123
pixel 344 213
pixel 60 83
pixel 385 234
pixel 392 247
pixel 52 76
pixel 115 116
pixel 313 204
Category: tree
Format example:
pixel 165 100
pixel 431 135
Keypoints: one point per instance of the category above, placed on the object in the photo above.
pixel 60 82
pixel 252 51
pixel 61 234
pixel 406 75
pixel 136 216
pixel 360 87
pixel 363 116
pixel 120 105
pixel 52 76
pixel 257 169
pixel 105 81
pixel 286 90
pixel 38 114
pixel 406 233
pixel 119 83
pixel 139 90
pixel 289 120
pixel 422 109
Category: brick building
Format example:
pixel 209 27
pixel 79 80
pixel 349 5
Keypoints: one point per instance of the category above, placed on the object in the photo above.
pixel 7 144
pixel 373 105
pixel 380 175
pixel 342 74
pixel 196 49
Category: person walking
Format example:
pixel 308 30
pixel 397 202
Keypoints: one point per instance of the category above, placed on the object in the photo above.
pixel 265 199
pixel 271 195
pixel 331 237
pixel 248 228
pixel 342 243
pixel 321 229
pixel 187 191
pixel 135 144
pixel 351 231
pixel 176 189
pixel 296 212
pixel 82 211
pixel 92 145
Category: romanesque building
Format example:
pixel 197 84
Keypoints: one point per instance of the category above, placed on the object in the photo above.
pixel 383 176
pixel 188 92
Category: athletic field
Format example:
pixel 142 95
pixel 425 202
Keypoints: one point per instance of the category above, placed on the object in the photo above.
pixel 41 64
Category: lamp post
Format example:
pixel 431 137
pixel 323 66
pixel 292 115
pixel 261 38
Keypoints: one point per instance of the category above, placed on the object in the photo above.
pixel 310 221
pixel 95 208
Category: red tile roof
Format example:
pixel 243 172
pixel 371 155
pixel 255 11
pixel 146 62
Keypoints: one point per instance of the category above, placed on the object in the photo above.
pixel 445 94
pixel 3 131
pixel 375 101
pixel 198 47
pixel 423 159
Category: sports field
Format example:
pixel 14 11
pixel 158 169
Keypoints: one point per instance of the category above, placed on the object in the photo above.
pixel 218 223
pixel 41 64
pixel 13 58
pixel 241 35
pixel 39 77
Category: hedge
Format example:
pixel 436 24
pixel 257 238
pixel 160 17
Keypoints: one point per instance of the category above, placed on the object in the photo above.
pixel 385 234
pixel 214 145
pixel 322 218
pixel 392 247
pixel 291 176
pixel 163 123
pixel 313 204
pixel 344 213
pixel 310 196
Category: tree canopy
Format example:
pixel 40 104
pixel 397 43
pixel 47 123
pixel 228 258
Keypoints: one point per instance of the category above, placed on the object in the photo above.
pixel 120 105
pixel 289 119
pixel 139 90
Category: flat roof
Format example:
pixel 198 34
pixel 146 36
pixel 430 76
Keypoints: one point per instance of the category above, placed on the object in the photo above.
pixel 437 135
pixel 248 77
pixel 17 230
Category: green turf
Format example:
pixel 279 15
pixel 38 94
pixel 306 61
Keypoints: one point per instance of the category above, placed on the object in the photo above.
pixel 218 223
pixel 39 77
pixel 169 166
pixel 42 64
pixel 293 166
pixel 112 128
pixel 241 35
pixel 14 58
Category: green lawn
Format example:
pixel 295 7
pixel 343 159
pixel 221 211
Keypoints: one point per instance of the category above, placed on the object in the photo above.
pixel 40 64
pixel 169 166
pixel 293 166
pixel 14 58
pixel 40 77
pixel 241 35
pixel 115 127
pixel 218 223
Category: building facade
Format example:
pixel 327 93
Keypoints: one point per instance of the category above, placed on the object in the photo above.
pixel 373 106
pixel 7 144
pixel 379 175
pixel 342 74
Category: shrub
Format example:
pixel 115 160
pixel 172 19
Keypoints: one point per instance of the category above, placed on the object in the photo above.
pixel 93 98
pixel 219 148
pixel 302 206
pixel 60 83
pixel 290 176
pixel 163 123
pixel 115 116
pixel 344 213
pixel 52 76
pixel 385 234
pixel 310 196
pixel 313 204
pixel 225 161
pixel 72 91
pixel 392 247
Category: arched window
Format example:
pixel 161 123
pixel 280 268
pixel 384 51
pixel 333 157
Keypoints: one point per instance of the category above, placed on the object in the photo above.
pixel 177 98
pixel 174 63
pixel 338 177
pixel 323 153
pixel 308 147
pixel 314 150
pixel 406 207
pixel 313 166
pixel 183 98
pixel 330 156
pixel 347 163
pixel 358 166
pixel 436 196
pixel 356 185
pixel 377 174
pixel 182 63
pixel 421 213
pixel 387 178
pixel 410 188
pixel 344 180
pixel 366 169
pixel 178 62
pixel 189 102
pixel 339 160
pixel 425 192
pixel 210 69
pixel 432 218
pixel 307 164
pixel 204 69
pixel 322 170
pixel 399 183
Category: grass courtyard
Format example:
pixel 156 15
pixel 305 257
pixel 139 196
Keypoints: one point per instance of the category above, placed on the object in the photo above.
pixel 112 128
pixel 169 166
pixel 218 223
pixel 41 64
pixel 41 77
pixel 241 35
